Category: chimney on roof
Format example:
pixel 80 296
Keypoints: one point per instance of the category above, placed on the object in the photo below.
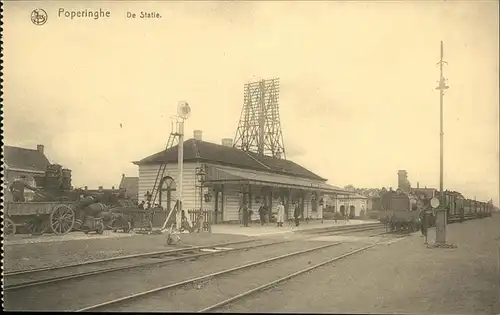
pixel 418 185
pixel 197 134
pixel 227 142
pixel 39 148
pixel 123 175
pixel 86 188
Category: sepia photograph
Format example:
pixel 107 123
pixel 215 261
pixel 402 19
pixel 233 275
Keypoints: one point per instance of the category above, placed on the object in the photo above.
pixel 337 157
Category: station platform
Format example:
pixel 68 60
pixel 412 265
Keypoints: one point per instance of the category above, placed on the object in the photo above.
pixel 270 229
pixel 253 230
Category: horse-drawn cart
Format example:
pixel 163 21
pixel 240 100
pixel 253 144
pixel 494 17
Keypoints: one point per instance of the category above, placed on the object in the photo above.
pixel 40 217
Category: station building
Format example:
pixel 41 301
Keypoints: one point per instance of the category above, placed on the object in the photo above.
pixel 220 178
pixel 352 204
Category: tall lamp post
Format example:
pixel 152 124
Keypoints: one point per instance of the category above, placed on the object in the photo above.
pixel 441 212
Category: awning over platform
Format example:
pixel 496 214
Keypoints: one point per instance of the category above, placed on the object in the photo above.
pixel 225 176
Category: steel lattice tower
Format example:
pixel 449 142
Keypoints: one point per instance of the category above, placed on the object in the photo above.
pixel 259 128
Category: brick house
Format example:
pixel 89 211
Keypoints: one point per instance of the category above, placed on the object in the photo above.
pixel 23 162
pixel 130 186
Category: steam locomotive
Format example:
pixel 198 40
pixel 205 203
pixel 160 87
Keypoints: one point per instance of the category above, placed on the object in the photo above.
pixel 401 210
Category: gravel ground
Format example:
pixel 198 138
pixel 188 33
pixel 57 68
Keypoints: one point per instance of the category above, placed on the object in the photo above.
pixel 404 277
pixel 79 293
pixel 36 255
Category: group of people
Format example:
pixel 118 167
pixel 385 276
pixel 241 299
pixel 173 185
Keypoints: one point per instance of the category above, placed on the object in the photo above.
pixel 246 214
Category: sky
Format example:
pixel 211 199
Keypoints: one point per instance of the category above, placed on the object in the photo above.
pixel 357 79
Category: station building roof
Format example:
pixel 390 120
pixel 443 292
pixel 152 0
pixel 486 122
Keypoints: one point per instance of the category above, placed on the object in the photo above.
pixel 198 150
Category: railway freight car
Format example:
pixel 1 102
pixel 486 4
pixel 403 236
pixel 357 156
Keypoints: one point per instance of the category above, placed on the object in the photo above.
pixel 459 208
pixel 477 209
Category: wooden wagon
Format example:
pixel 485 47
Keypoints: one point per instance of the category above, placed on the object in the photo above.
pixel 39 217
pixel 129 218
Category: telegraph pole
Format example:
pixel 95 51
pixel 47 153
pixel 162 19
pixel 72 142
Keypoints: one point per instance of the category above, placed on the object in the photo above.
pixel 441 212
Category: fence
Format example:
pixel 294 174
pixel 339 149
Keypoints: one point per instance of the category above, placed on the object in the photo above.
pixel 201 219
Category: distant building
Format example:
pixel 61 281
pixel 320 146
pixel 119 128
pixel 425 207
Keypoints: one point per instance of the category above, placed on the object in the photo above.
pixel 130 186
pixel 353 204
pixel 23 163
pixel 372 197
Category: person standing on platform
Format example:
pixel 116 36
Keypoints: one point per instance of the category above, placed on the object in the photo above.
pixel 296 214
pixel 421 217
pixel 262 214
pixel 424 224
pixel 244 212
pixel 281 214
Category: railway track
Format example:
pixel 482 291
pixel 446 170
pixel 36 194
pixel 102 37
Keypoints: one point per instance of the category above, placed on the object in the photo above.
pixel 34 277
pixel 341 229
pixel 43 276
pixel 219 305
pixel 26 279
pixel 223 280
pixel 97 261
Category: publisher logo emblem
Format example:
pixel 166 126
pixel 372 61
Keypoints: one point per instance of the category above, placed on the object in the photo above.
pixel 39 16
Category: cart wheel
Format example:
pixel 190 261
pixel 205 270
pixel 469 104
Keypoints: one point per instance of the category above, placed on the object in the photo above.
pixel 9 227
pixel 62 219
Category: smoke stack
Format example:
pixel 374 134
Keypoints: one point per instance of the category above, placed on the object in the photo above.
pixel 197 134
pixel 403 182
pixel 418 186
pixel 40 148
pixel 227 142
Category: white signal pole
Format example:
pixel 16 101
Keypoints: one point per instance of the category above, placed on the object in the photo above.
pixel 180 171
pixel 183 111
